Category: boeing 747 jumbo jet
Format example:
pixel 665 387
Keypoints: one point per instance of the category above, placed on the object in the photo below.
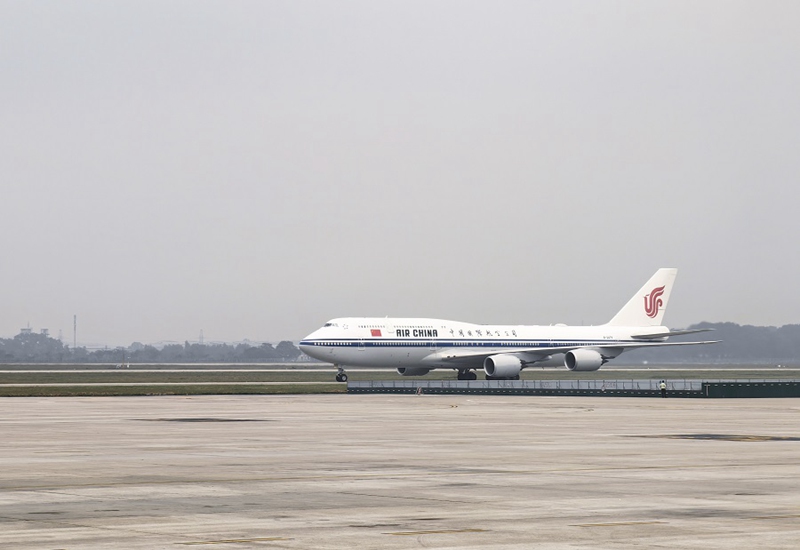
pixel 416 346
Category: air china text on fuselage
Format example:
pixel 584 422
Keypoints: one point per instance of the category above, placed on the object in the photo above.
pixel 416 346
pixel 417 332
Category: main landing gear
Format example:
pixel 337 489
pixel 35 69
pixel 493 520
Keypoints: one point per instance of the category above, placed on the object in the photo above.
pixel 341 376
pixel 467 375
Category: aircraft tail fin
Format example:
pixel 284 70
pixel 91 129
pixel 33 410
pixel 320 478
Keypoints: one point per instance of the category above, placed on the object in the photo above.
pixel 647 307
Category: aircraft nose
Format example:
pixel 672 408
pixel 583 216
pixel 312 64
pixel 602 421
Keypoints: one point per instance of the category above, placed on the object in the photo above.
pixel 306 346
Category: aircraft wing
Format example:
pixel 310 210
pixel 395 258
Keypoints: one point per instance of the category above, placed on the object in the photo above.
pixel 532 355
pixel 458 356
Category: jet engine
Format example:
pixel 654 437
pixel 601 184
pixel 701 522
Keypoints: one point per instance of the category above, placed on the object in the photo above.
pixel 583 360
pixel 504 365
pixel 413 371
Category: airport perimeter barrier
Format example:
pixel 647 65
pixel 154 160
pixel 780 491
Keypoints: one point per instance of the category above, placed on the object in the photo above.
pixel 615 388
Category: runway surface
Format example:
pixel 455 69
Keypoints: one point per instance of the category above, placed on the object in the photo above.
pixel 377 471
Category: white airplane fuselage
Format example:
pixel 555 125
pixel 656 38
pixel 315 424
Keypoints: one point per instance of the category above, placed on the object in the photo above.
pixel 437 343
pixel 414 346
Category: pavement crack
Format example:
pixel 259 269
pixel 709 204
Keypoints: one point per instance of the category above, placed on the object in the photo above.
pixel 402 497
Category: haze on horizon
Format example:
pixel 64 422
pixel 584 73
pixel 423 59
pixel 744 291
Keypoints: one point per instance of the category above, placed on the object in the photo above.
pixel 253 169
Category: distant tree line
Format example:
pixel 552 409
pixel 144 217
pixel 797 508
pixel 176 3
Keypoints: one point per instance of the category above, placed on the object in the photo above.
pixel 740 344
pixel 40 348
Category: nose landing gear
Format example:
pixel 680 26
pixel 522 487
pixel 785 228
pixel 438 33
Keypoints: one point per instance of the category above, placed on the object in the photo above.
pixel 341 376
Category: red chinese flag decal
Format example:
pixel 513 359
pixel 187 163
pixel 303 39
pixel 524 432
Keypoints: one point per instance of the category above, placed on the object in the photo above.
pixel 376 332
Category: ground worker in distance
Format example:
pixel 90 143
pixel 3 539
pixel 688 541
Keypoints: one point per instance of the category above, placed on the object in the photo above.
pixel 663 386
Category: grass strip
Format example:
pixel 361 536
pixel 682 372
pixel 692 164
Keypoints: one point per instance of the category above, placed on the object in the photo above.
pixel 167 389
pixel 221 377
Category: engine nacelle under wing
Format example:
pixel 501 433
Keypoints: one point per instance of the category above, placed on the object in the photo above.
pixel 503 365
pixel 583 360
pixel 413 371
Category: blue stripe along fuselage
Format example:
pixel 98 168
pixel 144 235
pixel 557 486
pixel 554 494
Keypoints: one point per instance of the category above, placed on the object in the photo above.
pixel 427 343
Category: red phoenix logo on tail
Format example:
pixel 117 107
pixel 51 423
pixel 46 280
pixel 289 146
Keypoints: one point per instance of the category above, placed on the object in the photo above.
pixel 653 301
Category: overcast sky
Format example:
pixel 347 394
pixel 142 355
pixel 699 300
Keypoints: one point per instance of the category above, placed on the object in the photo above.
pixel 252 169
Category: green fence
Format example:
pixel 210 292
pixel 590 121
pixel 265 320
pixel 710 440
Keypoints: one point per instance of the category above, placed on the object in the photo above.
pixel 734 388
pixel 599 388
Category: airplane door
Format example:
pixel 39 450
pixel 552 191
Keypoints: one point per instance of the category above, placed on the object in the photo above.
pixel 361 345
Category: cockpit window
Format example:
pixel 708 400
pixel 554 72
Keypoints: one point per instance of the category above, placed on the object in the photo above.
pixel 330 325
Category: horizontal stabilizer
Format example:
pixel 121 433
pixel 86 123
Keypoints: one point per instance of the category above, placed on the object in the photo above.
pixel 670 333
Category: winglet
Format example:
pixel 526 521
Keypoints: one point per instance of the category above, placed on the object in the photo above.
pixel 647 307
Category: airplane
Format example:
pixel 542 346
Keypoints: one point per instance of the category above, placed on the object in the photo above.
pixel 414 347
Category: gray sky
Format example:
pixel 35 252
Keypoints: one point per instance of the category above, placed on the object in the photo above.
pixel 253 169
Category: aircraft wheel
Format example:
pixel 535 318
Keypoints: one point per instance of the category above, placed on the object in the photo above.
pixel 338 377
pixel 472 376
pixel 343 377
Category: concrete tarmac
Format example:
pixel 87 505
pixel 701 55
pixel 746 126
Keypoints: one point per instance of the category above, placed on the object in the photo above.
pixel 398 472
